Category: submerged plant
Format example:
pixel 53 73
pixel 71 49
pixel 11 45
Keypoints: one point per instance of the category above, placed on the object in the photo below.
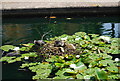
pixel 80 56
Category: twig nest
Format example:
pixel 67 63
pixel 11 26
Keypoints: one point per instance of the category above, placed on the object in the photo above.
pixel 62 49
pixel 70 46
pixel 59 43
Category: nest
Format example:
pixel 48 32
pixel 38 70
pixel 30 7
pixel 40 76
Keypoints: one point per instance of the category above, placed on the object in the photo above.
pixel 58 48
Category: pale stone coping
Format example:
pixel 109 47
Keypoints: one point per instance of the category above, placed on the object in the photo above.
pixel 21 5
pixel 27 4
pixel 60 0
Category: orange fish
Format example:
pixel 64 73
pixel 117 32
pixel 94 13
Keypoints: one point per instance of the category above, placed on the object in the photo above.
pixel 52 17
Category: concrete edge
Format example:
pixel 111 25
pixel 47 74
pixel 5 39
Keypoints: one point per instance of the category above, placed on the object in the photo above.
pixel 63 11
pixel 67 4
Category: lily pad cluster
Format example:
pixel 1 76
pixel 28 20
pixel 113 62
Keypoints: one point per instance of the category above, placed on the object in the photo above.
pixel 78 56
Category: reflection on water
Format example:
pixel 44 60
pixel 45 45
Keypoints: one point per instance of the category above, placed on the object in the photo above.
pixel 111 29
pixel 24 30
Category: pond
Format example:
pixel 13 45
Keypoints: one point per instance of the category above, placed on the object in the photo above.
pixel 22 30
pixel 26 29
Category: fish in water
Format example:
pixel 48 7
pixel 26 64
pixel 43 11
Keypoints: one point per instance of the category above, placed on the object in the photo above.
pixel 52 17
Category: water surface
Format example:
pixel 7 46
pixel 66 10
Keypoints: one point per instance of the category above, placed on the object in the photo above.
pixel 23 30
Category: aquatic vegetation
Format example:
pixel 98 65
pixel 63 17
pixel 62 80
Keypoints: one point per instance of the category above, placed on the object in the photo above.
pixel 79 56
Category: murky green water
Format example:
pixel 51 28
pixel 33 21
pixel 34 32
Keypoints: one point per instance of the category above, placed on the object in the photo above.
pixel 23 30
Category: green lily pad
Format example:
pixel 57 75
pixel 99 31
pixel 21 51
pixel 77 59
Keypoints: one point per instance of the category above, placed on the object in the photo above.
pixel 113 69
pixel 59 64
pixel 7 47
pixel 106 62
pixel 80 34
pixel 79 76
pixel 101 74
pixel 70 71
pixel 80 66
pixel 87 77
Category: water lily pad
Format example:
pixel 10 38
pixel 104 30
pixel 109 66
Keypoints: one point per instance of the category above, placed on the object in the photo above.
pixel 7 47
pixel 106 62
pixel 59 64
pixel 101 74
pixel 80 66
pixel 87 77
pixel 79 76
pixel 80 34
pixel 112 69
pixel 70 71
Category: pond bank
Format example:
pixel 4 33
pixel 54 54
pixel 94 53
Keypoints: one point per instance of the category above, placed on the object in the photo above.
pixel 62 11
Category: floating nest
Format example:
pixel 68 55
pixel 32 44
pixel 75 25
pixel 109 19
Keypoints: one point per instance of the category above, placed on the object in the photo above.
pixel 56 48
